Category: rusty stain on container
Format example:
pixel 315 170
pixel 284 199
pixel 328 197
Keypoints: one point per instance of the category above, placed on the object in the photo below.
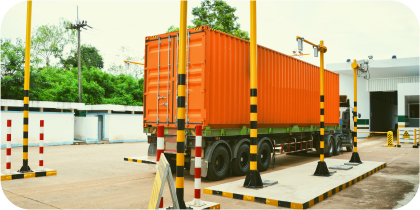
pixel 288 88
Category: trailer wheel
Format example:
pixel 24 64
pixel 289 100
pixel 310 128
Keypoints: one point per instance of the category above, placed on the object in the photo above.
pixel 337 144
pixel 329 140
pixel 240 165
pixel 264 157
pixel 350 148
pixel 219 165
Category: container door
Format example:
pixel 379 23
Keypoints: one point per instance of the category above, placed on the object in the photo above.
pixel 158 102
pixel 194 98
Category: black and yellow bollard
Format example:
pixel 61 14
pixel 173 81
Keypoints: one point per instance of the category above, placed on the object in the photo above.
pixel 415 145
pixel 180 137
pixel 253 178
pixel 322 169
pixel 25 167
pixel 355 158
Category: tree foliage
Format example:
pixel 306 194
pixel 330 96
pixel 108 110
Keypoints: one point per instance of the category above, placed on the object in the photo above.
pixel 89 57
pixel 54 83
pixel 48 41
pixel 217 15
pixel 118 66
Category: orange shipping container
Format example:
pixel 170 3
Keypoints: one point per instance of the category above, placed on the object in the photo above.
pixel 218 84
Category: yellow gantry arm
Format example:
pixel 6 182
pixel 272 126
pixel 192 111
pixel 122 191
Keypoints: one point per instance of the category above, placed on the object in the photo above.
pixel 133 62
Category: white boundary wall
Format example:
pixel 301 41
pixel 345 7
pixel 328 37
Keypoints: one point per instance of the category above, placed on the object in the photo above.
pixel 58 128
pixel 81 129
pixel 124 127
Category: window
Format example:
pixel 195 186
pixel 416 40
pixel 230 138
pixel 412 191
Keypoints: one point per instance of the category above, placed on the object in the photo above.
pixel 414 110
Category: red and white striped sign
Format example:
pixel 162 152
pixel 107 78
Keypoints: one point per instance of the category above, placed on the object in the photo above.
pixel 160 149
pixel 9 148
pixel 41 145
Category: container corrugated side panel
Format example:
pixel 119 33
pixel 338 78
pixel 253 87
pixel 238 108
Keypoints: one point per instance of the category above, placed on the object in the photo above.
pixel 389 84
pixel 288 89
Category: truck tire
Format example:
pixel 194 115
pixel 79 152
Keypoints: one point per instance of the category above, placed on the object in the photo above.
pixel 263 157
pixel 219 165
pixel 152 149
pixel 240 165
pixel 350 148
pixel 329 142
pixel 337 144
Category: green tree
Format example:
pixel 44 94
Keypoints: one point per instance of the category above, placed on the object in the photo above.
pixel 220 16
pixel 117 66
pixel 217 15
pixel 173 28
pixel 49 41
pixel 90 57
pixel 12 69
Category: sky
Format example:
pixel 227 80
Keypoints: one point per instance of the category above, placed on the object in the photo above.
pixel 350 29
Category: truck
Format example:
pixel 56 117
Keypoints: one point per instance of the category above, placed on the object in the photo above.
pixel 217 98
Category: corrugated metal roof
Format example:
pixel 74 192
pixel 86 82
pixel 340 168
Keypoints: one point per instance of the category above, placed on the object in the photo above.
pixel 389 84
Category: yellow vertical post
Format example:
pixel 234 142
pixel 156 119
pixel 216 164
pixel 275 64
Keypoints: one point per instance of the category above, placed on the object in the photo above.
pixel 355 158
pixel 253 178
pixel 398 138
pixel 180 135
pixel 415 139
pixel 321 169
pixel 25 167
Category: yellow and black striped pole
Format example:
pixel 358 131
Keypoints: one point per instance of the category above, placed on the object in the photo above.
pixel 253 178
pixel 180 135
pixel 322 169
pixel 355 158
pixel 25 167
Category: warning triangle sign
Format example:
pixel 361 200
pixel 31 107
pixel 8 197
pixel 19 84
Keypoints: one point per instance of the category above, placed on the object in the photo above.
pixel 406 135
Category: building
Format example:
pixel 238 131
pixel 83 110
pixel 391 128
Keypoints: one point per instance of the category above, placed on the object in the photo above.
pixel 58 122
pixel 113 123
pixel 388 97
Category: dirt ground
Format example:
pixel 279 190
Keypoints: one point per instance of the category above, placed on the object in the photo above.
pixel 96 177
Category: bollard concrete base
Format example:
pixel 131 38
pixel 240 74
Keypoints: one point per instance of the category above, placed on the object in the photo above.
pixel 35 173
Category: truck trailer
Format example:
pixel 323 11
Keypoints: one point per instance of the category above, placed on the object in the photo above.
pixel 217 98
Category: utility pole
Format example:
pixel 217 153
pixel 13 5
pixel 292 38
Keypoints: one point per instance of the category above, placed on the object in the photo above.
pixel 78 26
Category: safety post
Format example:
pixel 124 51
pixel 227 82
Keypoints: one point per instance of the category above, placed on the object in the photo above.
pixel 355 158
pixel 160 150
pixel 253 178
pixel 415 145
pixel 398 138
pixel 41 145
pixel 390 139
pixel 9 149
pixel 25 167
pixel 197 168
pixel 180 137
pixel 321 169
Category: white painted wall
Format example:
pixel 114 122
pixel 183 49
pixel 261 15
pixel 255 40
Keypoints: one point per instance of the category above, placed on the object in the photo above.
pixel 58 128
pixel 125 127
pixel 80 128
pixel 405 89
pixel 363 99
